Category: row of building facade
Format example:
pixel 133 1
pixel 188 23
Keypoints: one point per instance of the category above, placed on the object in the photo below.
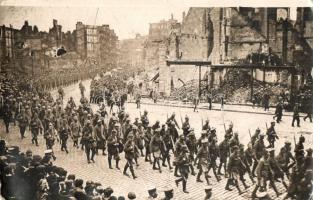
pixel 27 47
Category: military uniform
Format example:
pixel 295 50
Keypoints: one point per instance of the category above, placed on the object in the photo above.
pixel 100 137
pixel 114 148
pixel 75 131
pixel 264 174
pixel 89 141
pixel 35 126
pixel 129 150
pixel 186 126
pixel 64 134
pixel 235 167
pixel 183 163
pixel 155 149
pixel 224 152
pixel 271 135
pixel 258 151
pixel 23 122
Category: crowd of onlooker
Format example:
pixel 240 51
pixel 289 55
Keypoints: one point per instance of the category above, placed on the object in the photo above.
pixel 25 176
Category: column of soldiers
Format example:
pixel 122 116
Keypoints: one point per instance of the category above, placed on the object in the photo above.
pixel 91 132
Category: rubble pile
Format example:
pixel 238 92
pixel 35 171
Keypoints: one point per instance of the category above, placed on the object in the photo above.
pixel 235 88
pixel 186 92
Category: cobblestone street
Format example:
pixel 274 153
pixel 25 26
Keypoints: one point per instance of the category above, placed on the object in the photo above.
pixel 75 162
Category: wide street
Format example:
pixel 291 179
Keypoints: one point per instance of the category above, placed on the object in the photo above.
pixel 75 162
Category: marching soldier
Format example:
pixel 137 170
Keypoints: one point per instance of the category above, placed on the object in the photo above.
pixel 183 165
pixel 255 136
pixel 206 126
pixel 147 139
pixel 114 147
pixel 144 119
pixel 258 151
pixel 75 131
pixel 35 126
pixel 299 151
pixel 224 152
pixel 264 174
pixel 23 122
pixel 64 134
pixel 234 168
pixel 50 136
pixel 89 141
pixel 100 137
pixel 186 126
pixel 168 145
pixel 129 150
pixel 202 158
pixel 271 135
pixel 284 158
pixel 229 131
pixel 155 149
pixel 277 170
pixel 191 143
pixel 213 154
pixel 178 148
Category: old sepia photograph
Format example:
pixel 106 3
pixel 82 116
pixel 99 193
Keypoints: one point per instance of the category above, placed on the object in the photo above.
pixel 163 100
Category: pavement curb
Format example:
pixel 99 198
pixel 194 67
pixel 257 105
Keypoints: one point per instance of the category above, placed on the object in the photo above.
pixel 215 109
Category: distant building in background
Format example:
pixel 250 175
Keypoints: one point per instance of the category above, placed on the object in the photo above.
pixel 132 53
pixel 7 41
pixel 97 42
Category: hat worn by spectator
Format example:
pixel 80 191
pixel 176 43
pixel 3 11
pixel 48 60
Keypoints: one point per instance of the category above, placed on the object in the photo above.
pixel 131 195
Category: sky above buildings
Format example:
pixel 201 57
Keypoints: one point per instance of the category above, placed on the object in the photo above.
pixel 126 17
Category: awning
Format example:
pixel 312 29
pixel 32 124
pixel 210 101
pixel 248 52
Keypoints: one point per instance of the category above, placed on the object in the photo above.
pixel 155 77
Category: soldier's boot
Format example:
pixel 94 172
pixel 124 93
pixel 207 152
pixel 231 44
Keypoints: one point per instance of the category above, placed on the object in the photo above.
pixel 198 177
pixel 158 162
pixel 192 170
pixel 103 152
pixel 146 158
pixel 253 195
pixel 163 162
pixel 216 176
pixel 219 169
pixel 185 186
pixel 228 184
pixel 116 164
pixel 255 164
pixel 133 173
pixel 207 179
pixel 125 169
pixel 176 171
pixel 169 163
pixel 141 152
pixel 136 161
pixel 36 141
pixel 66 150
pixel 238 188
pixel 110 163
pixel 154 163
pixel 244 184
pixel 275 189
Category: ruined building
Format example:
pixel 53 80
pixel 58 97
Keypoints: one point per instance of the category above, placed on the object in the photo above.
pixel 230 36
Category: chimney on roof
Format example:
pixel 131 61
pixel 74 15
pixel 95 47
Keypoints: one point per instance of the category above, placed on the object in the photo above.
pixel 172 16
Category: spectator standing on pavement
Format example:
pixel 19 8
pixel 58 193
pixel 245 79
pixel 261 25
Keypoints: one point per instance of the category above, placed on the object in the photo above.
pixel 138 99
pixel 266 101
pixel 209 100
pixel 196 103
pixel 278 112
pixel 222 103
pixel 7 115
pixel 296 116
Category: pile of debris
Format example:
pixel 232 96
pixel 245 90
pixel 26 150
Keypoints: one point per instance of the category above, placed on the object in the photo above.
pixel 186 92
pixel 235 88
